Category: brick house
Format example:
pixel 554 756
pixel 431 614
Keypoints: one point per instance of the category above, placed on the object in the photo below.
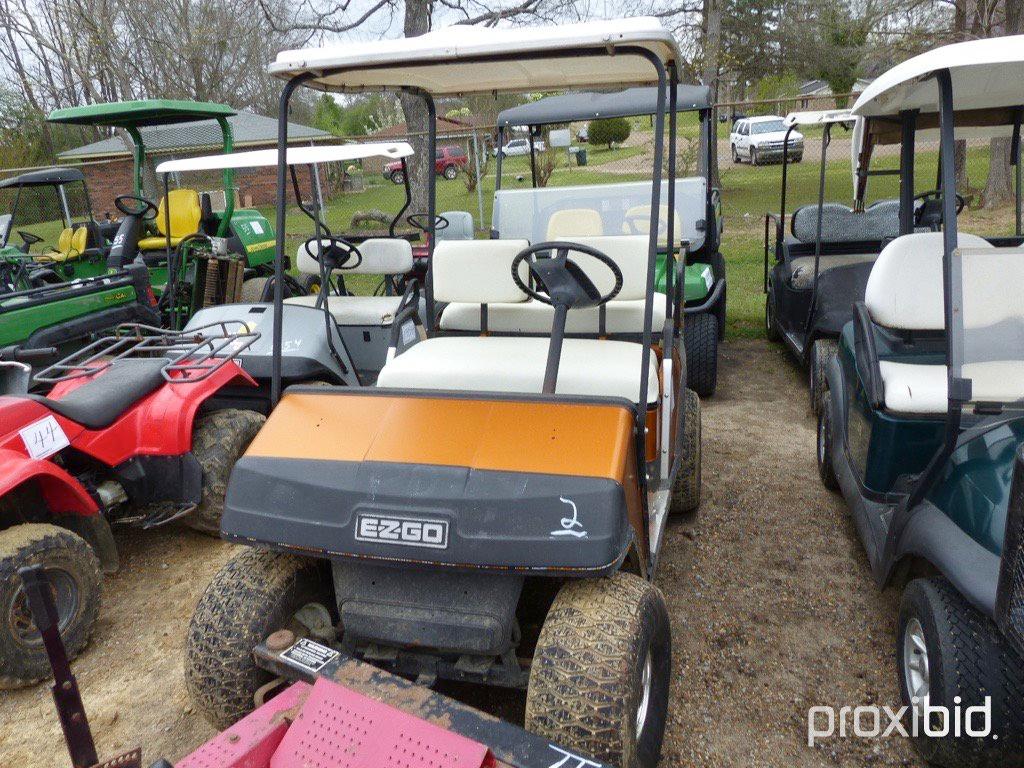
pixel 107 164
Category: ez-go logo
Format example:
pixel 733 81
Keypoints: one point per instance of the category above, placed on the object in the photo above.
pixel 407 531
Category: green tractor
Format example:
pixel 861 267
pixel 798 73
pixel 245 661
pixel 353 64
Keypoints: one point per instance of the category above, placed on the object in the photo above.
pixel 196 256
pixel 43 308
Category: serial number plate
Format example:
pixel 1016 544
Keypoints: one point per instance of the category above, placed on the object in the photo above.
pixel 44 438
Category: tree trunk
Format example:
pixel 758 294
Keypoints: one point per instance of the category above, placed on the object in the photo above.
pixel 963 184
pixel 710 76
pixel 999 186
pixel 417 22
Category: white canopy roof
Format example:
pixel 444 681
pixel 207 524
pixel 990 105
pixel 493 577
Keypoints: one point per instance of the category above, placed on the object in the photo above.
pixel 470 59
pixel 985 73
pixel 819 117
pixel 260 158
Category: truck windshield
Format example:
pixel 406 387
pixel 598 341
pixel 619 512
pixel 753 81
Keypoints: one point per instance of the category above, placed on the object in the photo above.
pixel 770 126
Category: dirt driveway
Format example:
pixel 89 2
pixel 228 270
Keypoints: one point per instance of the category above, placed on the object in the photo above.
pixel 772 609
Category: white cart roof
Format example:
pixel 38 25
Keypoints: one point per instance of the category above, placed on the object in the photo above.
pixel 470 59
pixel 260 158
pixel 986 74
pixel 819 117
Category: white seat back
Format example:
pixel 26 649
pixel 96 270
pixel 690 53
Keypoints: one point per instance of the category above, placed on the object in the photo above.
pixel 574 222
pixel 477 271
pixel 629 252
pixel 904 290
pixel 381 256
pixel 460 226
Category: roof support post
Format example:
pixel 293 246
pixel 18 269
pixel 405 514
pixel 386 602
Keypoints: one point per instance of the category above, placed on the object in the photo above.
pixel 138 155
pixel 670 218
pixel 908 129
pixel 1015 162
pixel 229 179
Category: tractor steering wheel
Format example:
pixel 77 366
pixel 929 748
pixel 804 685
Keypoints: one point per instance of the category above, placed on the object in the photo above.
pixel 337 252
pixel 563 280
pixel 28 239
pixel 419 220
pixel 144 209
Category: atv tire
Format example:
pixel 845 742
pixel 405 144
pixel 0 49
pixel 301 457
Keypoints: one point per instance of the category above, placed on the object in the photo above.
pixel 256 593
pixel 218 440
pixel 685 497
pixel 825 441
pixel 75 580
pixel 700 337
pixel 603 655
pixel 967 657
pixel 822 352
pixel 252 290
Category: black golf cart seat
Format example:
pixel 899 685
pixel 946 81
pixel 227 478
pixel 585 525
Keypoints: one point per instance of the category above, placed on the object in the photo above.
pixel 904 299
pixel 574 222
pixel 840 225
pixel 479 273
pixel 623 316
pixel 363 321
pixel 186 219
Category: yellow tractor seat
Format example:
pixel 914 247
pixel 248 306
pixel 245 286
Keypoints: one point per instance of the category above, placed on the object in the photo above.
pixel 71 244
pixel 186 218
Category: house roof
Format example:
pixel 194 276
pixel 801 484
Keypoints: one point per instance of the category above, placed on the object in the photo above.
pixel 249 129
pixel 814 86
pixel 446 126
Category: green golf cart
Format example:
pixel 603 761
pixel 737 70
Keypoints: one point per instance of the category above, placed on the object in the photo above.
pixel 197 256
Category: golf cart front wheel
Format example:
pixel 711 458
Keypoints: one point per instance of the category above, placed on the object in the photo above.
pixel 700 335
pixel 73 572
pixel 771 325
pixel 599 681
pixel 947 651
pixel 218 441
pixel 685 496
pixel 826 436
pixel 822 352
pixel 256 593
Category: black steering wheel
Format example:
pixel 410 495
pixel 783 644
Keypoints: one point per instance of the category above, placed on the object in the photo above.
pixel 144 209
pixel 931 207
pixel 563 281
pixel 419 220
pixel 337 252
pixel 29 240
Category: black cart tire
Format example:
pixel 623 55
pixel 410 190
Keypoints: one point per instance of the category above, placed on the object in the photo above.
pixel 256 593
pixel 74 573
pixel 218 441
pixel 771 324
pixel 965 656
pixel 700 337
pixel 599 682
pixel 825 441
pixel 822 352
pixel 685 496
pixel 252 290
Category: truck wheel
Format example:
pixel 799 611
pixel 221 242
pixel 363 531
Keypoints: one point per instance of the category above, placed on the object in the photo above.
pixel 735 155
pixel 252 290
pixel 946 649
pixel 753 155
pixel 700 336
pixel 685 497
pixel 771 325
pixel 599 681
pixel 450 172
pixel 256 593
pixel 398 177
pixel 826 470
pixel 218 440
pixel 822 352
pixel 74 574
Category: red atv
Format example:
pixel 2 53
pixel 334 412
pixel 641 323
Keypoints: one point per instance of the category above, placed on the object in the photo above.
pixel 122 437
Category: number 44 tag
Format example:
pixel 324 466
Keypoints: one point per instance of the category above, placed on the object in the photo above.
pixel 44 438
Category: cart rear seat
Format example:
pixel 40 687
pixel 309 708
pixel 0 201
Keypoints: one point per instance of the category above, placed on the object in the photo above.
pixel 801 269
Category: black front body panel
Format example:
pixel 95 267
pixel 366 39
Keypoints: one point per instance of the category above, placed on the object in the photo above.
pixel 430 514
pixel 1010 594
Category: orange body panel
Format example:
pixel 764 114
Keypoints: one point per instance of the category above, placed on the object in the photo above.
pixel 579 439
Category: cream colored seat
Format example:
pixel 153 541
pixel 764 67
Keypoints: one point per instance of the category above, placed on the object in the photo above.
pixel 904 293
pixel 574 222
pixel 623 315
pixel 381 256
pixel 479 272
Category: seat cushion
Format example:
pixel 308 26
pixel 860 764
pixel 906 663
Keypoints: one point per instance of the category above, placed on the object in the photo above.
pixel 157 242
pixel 355 310
pixel 574 222
pixel 801 269
pixel 186 213
pixel 507 364
pixel 536 317
pixel 911 388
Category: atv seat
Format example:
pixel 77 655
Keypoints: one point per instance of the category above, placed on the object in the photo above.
pixel 478 273
pixel 101 401
pixel 186 219
pixel 904 294
pixel 624 315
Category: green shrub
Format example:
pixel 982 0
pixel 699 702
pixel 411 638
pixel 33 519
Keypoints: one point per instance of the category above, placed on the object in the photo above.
pixel 612 130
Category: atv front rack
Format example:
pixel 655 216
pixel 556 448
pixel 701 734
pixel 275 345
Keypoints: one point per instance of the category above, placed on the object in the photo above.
pixel 192 356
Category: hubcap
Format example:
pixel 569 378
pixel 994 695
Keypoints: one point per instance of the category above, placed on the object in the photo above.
pixel 645 697
pixel 65 596
pixel 916 673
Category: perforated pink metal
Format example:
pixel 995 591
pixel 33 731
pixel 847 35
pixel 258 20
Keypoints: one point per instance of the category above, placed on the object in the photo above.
pixel 339 728
pixel 252 741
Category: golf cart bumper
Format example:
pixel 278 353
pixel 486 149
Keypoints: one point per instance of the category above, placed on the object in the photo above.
pixel 335 700
pixel 459 481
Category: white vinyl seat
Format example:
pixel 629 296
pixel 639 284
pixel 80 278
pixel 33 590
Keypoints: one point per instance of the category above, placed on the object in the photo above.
pixel 571 223
pixel 508 364
pixel 904 293
pixel 381 256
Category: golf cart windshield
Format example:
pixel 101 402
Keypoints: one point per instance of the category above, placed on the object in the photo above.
pixel 43 204
pixel 768 126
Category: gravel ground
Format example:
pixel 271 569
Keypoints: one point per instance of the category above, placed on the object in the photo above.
pixel 772 607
